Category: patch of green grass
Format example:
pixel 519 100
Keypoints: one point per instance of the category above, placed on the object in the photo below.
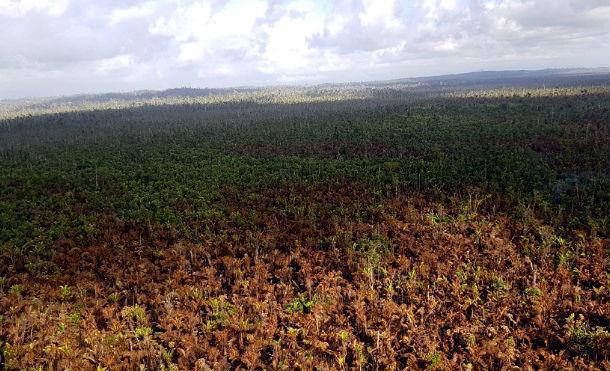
pixel 75 318
pixel 17 289
pixel 300 304
pixel 113 297
pixel 143 332
pixel 134 312
pixel 65 291
pixel 221 312
pixel 533 292
pixel 434 359
pixel 500 286
pixel 587 340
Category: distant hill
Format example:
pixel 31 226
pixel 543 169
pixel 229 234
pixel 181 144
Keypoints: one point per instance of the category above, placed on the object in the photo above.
pixel 471 80
pixel 510 77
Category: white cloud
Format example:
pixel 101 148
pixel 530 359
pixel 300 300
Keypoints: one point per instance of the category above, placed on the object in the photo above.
pixel 434 8
pixel 185 22
pixel 287 48
pixel 130 13
pixel 379 13
pixel 199 31
pixel 20 8
pixel 446 46
pixel 63 46
pixel 115 64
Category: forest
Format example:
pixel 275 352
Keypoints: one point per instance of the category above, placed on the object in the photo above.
pixel 457 222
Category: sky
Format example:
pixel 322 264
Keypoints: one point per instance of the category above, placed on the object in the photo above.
pixel 62 47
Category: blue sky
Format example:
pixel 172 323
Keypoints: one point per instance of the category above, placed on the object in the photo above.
pixel 58 47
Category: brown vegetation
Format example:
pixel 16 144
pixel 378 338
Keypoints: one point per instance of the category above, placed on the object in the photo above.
pixel 328 276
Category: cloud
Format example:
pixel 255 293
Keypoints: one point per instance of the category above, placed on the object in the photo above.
pixel 286 48
pixel 63 47
pixel 197 30
pixel 131 13
pixel 19 8
pixel 120 62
